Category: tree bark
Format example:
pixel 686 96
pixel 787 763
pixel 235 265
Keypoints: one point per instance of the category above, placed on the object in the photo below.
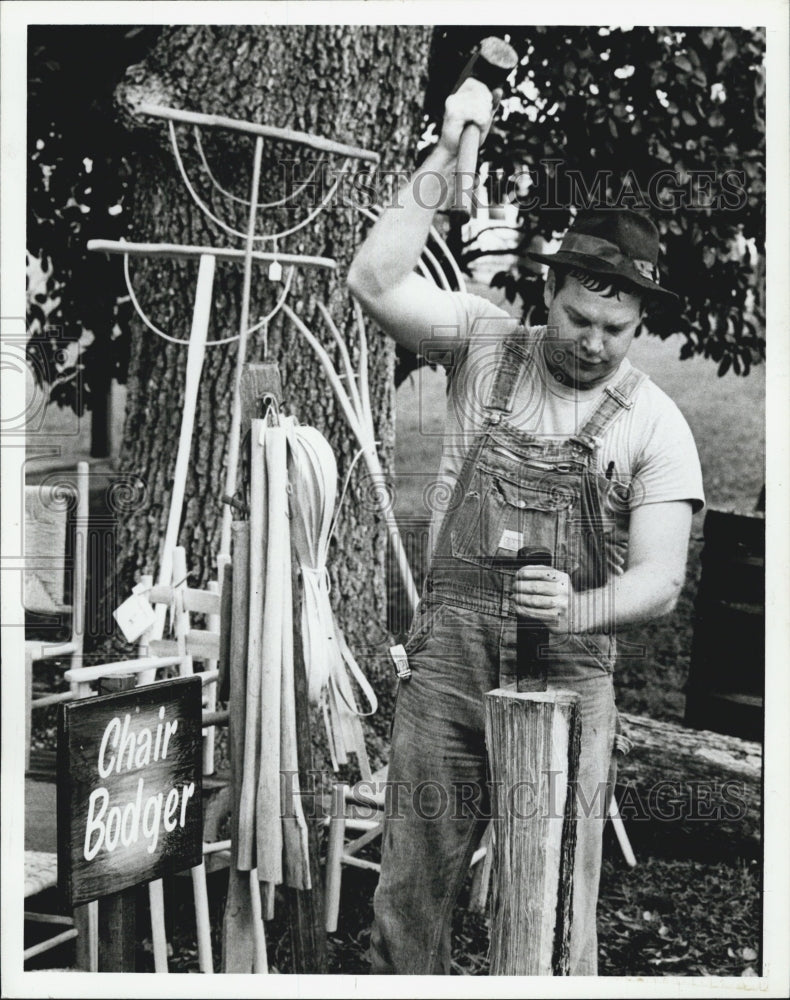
pixel 707 783
pixel 357 85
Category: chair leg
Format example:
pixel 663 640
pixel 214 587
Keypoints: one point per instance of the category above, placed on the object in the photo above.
pixel 478 893
pixel 334 857
pixel 156 902
pixel 86 920
pixel 200 890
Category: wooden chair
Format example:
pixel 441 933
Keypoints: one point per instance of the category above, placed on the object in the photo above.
pixel 41 874
pixel 56 555
pixel 360 808
pixel 180 653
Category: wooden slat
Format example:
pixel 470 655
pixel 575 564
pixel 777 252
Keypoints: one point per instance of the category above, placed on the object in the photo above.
pixel 186 251
pixel 89 674
pixel 199 644
pixel 265 131
pixel 202 602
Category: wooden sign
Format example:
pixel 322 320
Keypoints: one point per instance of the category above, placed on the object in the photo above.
pixel 130 803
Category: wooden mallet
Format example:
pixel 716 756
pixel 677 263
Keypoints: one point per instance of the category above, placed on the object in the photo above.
pixel 491 64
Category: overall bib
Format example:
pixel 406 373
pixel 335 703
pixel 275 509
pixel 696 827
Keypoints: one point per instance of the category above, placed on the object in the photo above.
pixel 514 490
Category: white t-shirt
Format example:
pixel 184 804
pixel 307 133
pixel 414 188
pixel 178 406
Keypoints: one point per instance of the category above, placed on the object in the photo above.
pixel 648 448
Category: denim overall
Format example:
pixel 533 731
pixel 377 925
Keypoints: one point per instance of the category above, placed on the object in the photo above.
pixel 516 489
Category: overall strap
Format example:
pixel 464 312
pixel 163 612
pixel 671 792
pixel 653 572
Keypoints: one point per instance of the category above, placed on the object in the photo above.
pixel 615 399
pixel 515 355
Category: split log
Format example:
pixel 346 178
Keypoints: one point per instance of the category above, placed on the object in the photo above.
pixel 533 743
pixel 707 783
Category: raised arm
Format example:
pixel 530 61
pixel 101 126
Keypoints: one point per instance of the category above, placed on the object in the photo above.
pixel 381 276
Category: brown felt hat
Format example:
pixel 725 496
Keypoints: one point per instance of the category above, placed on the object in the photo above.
pixel 617 243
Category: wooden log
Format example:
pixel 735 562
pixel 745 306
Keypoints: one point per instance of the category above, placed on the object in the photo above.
pixel 707 782
pixel 533 742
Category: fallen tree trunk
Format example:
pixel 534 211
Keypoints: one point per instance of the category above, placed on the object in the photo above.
pixel 706 783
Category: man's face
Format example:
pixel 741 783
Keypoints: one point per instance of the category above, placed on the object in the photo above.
pixel 594 331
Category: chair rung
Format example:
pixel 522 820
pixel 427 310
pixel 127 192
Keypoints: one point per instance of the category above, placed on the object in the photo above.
pixel 48 918
pixel 202 602
pixel 53 942
pixel 371 866
pixel 52 699
pixel 199 644
pixel 84 675
pixel 367 838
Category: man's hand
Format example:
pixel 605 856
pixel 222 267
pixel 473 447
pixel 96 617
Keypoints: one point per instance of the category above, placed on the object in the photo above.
pixel 472 102
pixel 544 595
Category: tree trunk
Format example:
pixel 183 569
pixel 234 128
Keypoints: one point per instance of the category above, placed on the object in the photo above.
pixel 361 86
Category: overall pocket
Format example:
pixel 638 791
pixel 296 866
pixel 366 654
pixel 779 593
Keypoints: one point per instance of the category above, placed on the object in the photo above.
pixel 426 618
pixel 499 516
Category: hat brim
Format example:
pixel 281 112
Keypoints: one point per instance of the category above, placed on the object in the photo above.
pixel 594 265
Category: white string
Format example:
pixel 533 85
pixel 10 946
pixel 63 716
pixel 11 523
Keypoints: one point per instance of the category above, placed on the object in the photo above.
pixel 273 313
pixel 354 460
pixel 209 343
pixel 138 308
pixel 245 201
pixel 229 229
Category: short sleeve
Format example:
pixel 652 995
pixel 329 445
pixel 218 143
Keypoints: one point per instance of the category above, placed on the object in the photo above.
pixel 449 346
pixel 668 467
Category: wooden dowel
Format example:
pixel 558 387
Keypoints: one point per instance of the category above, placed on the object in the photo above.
pixel 48 918
pixel 260 959
pixel 88 674
pixel 481 879
pixel 156 905
pixel 201 315
pixel 86 920
pixel 353 846
pixel 334 855
pixel 371 866
pixel 202 918
pixel 54 699
pixel 186 251
pixel 216 847
pixel 39 949
pixel 219 718
pixel 253 128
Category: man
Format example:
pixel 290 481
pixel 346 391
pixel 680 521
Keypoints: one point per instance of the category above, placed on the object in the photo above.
pixel 555 444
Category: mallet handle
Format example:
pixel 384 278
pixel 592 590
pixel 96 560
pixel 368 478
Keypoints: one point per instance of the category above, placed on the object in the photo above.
pixel 466 170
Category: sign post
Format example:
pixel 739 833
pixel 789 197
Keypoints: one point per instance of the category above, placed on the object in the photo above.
pixel 129 800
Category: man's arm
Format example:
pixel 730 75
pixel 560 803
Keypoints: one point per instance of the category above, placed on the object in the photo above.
pixel 381 275
pixel 649 588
